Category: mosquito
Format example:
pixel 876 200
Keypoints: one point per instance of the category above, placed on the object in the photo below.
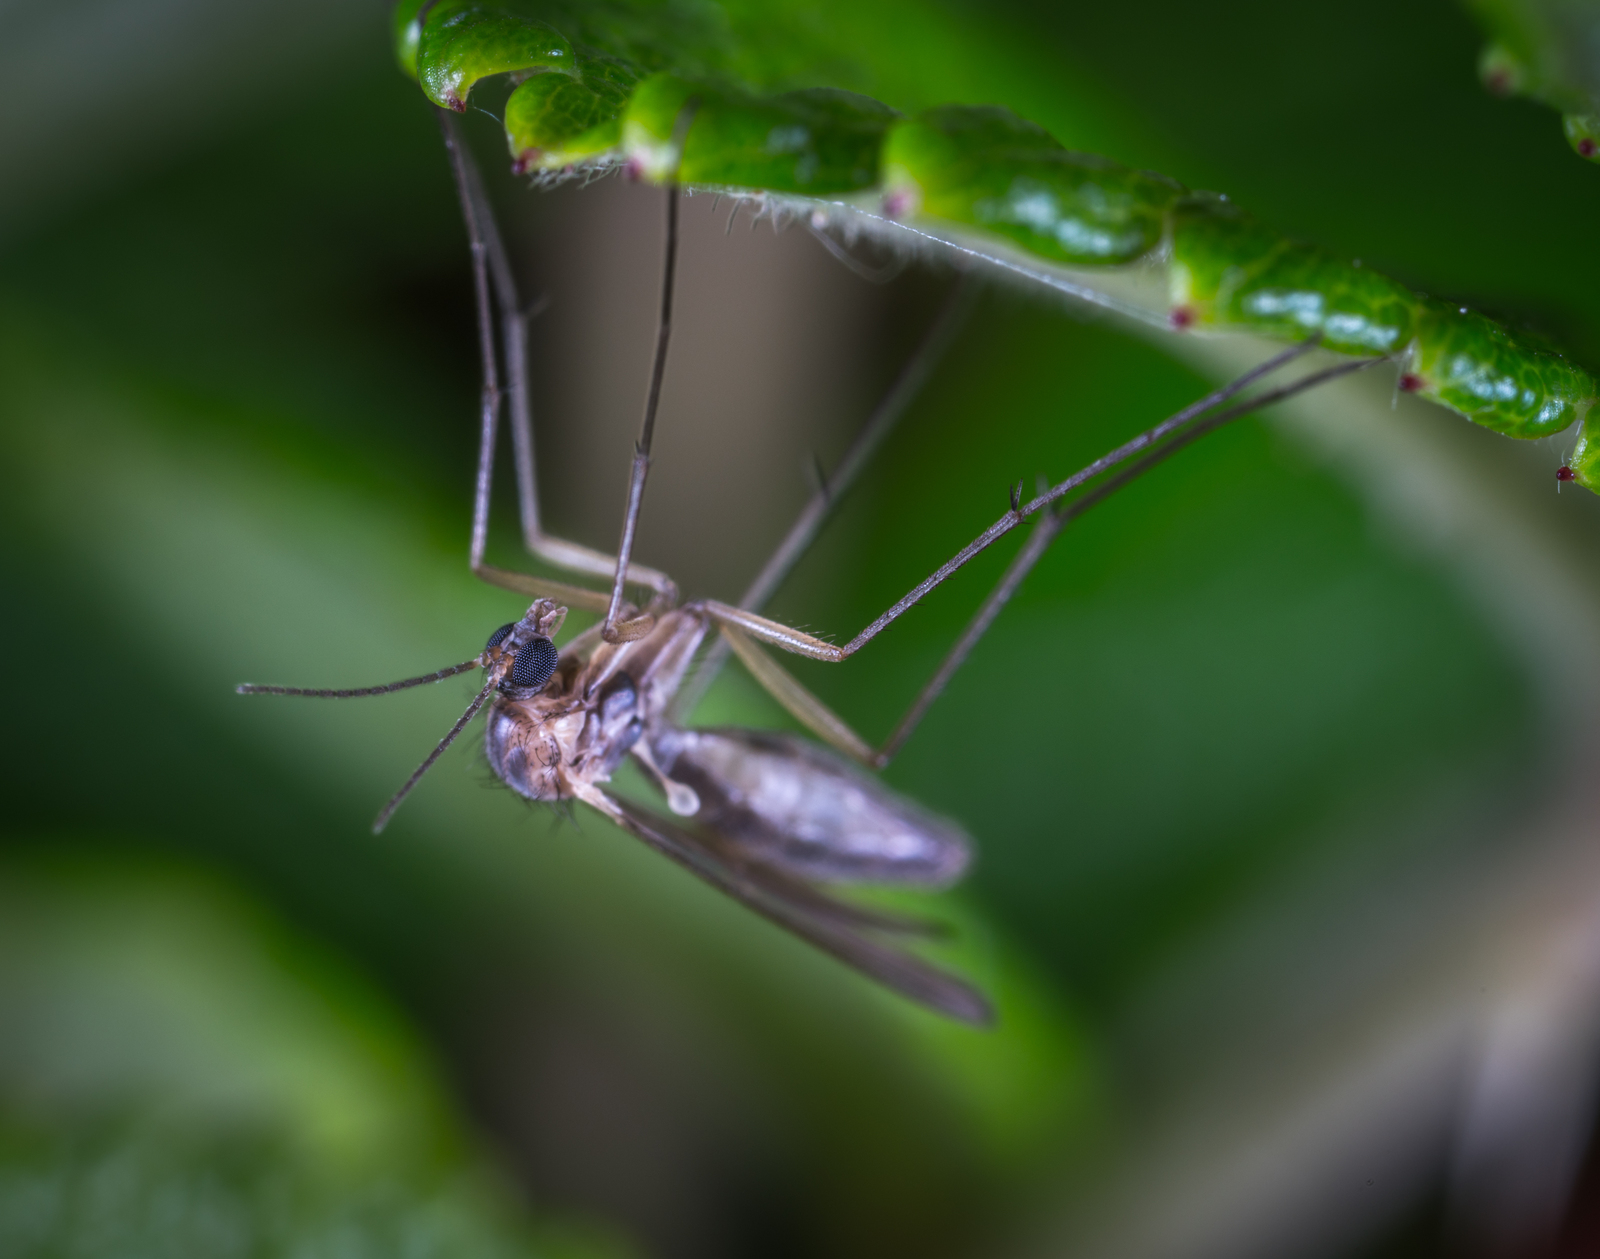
pixel 772 820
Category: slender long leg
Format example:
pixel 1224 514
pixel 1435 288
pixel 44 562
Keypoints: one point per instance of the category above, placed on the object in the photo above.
pixel 1144 441
pixel 784 687
pixel 912 376
pixel 616 629
pixel 545 588
pixel 1181 429
pixel 1044 533
pixel 492 272
pixel 831 489
pixel 489 399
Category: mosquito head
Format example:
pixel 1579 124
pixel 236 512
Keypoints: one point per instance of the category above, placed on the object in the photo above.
pixel 520 657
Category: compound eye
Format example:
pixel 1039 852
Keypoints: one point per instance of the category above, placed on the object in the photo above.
pixel 534 664
pixel 499 636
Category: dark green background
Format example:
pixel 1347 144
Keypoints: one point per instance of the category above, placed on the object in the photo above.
pixel 236 392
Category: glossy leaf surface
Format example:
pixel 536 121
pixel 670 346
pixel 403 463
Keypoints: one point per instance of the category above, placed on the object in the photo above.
pixel 978 178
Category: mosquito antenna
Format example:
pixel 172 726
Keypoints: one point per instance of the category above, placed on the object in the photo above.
pixel 387 812
pixel 647 429
pixel 254 688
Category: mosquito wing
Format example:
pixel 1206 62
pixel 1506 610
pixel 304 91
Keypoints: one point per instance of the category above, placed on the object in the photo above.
pixel 787 802
pixel 831 925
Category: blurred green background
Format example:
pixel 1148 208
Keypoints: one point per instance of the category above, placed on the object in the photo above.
pixel 1280 766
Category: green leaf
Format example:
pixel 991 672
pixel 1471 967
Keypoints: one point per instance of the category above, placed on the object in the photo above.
pixel 985 181
pixel 555 120
pixel 1544 49
pixel 986 168
pixel 459 42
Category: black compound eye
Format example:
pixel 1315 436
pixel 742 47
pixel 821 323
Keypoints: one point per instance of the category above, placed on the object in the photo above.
pixel 499 636
pixel 534 664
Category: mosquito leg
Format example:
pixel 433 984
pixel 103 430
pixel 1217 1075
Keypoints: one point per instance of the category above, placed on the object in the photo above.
pixel 907 385
pixel 616 629
pixel 808 524
pixel 559 552
pixel 799 702
pixel 803 644
pixel 492 272
pixel 912 378
pixel 580 597
pixel 1147 440
pixel 739 626
pixel 1044 533
pixel 489 404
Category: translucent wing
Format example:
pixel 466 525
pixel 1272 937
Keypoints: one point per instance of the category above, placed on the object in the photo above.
pixel 843 930
pixel 786 803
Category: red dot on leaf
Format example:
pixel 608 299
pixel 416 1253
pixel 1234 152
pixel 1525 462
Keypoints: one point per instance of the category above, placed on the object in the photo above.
pixel 1564 473
pixel 1410 382
pixel 1586 147
pixel 1182 317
